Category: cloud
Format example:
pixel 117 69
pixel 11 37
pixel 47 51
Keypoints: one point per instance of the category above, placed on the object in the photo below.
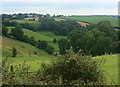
pixel 57 10
pixel 59 7
pixel 60 1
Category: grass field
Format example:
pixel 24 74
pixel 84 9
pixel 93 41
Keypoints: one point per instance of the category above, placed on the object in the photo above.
pixel 95 19
pixel 35 24
pixel 48 36
pixel 23 50
pixel 24 21
pixel 111 67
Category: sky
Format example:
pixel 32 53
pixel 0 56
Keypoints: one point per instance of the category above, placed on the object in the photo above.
pixel 63 7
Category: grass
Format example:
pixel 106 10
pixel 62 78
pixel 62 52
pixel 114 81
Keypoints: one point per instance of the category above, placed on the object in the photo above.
pixel 35 24
pixel 43 35
pixel 95 19
pixel 24 21
pixel 23 50
pixel 111 67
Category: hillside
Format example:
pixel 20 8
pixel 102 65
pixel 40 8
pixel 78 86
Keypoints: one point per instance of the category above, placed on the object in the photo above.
pixel 35 24
pixel 95 19
pixel 25 53
pixel 34 61
pixel 48 36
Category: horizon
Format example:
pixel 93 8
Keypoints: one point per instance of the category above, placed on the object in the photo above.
pixel 60 7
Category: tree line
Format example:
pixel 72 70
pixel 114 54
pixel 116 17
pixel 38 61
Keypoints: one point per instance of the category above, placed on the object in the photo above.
pixel 58 27
pixel 49 24
pixel 97 39
pixel 18 34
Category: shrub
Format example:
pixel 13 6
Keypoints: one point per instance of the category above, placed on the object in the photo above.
pixel 73 69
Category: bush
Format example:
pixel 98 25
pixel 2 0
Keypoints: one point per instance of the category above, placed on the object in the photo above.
pixel 72 69
pixel 17 75
pixel 49 49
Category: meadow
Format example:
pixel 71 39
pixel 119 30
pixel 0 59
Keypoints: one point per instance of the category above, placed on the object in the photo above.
pixel 25 53
pixel 110 66
pixel 95 19
pixel 48 36
pixel 35 24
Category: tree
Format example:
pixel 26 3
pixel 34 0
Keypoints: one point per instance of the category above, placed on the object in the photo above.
pixel 118 33
pixel 54 40
pixel 62 45
pixel 17 32
pixel 14 52
pixel 93 41
pixel 42 44
pixel 49 49
pixel 75 40
pixel 32 41
pixel 4 30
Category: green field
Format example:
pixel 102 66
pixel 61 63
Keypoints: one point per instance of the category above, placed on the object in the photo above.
pixel 95 19
pixel 24 21
pixel 48 36
pixel 110 67
pixel 23 50
pixel 35 24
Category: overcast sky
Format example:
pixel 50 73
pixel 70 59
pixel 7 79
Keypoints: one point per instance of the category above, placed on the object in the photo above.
pixel 65 7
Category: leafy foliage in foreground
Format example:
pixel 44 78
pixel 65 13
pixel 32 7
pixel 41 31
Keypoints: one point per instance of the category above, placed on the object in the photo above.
pixel 72 69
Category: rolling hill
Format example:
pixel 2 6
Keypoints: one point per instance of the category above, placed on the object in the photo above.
pixel 94 19
pixel 25 53
pixel 48 36
pixel 110 66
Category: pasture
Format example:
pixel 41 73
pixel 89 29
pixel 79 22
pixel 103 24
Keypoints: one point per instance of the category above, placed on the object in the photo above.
pixel 35 24
pixel 25 52
pixel 110 66
pixel 48 36
pixel 34 61
pixel 94 19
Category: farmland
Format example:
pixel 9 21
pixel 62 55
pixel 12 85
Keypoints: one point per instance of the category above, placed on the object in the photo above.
pixel 48 36
pixel 34 57
pixel 95 19
pixel 110 66
pixel 35 24
pixel 23 50
pixel 34 61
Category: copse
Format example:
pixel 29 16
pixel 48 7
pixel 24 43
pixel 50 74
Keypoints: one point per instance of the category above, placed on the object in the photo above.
pixel 17 32
pixel 96 40
pixel 4 30
pixel 44 46
pixel 58 27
